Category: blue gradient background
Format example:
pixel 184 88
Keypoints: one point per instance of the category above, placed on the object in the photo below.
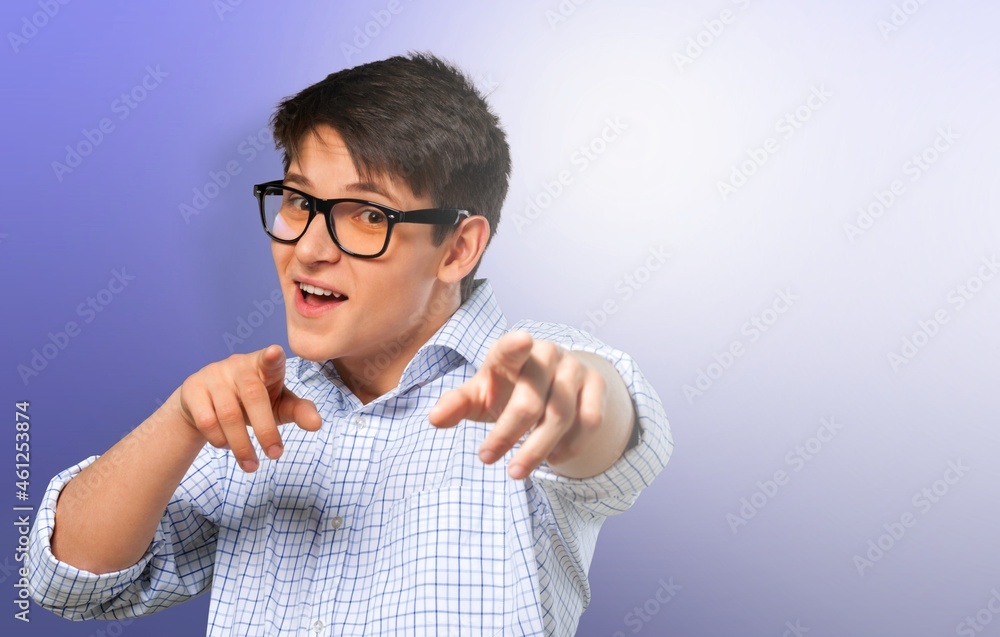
pixel 554 85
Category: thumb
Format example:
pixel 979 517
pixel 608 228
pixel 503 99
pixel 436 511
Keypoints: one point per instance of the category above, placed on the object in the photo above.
pixel 303 412
pixel 455 405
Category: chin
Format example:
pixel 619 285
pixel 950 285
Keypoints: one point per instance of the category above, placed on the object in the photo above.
pixel 310 350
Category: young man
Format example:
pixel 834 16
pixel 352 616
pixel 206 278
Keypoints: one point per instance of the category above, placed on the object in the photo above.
pixel 448 475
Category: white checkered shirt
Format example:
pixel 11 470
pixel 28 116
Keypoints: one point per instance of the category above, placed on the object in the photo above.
pixel 379 523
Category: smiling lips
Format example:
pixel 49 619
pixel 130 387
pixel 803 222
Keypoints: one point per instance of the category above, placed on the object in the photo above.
pixel 314 300
pixel 318 291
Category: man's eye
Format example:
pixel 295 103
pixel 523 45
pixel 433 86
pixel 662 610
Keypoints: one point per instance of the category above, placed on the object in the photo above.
pixel 298 202
pixel 372 216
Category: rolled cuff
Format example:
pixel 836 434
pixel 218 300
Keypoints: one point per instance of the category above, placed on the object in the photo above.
pixel 69 591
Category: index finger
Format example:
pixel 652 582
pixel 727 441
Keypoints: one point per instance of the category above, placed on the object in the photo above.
pixel 483 396
pixel 507 356
pixel 256 401
pixel 271 366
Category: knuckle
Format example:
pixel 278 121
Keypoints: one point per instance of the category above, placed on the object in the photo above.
pixel 579 370
pixel 571 367
pixel 598 381
pixel 206 422
pixel 530 459
pixel 253 392
pixel 242 448
pixel 267 435
pixel 590 419
pixel 525 412
pixel 502 441
pixel 230 414
pixel 557 457
pixel 219 442
pixel 573 448
pixel 191 387
pixel 557 411
pixel 548 351
pixel 212 369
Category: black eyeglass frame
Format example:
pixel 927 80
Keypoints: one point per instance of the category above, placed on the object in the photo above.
pixel 435 216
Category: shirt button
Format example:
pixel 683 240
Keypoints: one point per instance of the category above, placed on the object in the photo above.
pixel 318 626
pixel 335 523
pixel 360 421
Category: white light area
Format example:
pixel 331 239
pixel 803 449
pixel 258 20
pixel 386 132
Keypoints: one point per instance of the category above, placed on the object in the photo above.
pixel 657 183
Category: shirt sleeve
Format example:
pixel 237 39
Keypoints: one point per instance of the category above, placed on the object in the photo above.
pixel 615 490
pixel 177 566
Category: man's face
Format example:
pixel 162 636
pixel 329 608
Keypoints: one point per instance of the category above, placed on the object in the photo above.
pixel 385 296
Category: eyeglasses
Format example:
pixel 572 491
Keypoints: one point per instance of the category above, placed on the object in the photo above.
pixel 358 227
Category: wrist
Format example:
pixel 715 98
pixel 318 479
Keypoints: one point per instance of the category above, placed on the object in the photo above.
pixel 174 417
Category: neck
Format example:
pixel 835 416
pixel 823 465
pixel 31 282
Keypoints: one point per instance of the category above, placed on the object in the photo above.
pixel 375 374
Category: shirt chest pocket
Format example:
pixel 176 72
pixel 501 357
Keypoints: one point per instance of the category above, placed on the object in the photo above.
pixel 442 563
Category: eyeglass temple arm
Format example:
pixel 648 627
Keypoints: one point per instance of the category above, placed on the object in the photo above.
pixel 434 215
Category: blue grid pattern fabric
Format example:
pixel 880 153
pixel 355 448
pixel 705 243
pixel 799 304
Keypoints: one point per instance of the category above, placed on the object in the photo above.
pixel 378 523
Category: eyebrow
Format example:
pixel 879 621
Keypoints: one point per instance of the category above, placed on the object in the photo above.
pixel 296 178
pixel 358 187
pixel 368 186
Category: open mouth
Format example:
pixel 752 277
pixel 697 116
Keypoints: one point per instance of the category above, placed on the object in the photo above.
pixel 318 297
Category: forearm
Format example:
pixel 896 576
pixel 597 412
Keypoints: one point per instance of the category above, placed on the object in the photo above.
pixel 609 440
pixel 107 515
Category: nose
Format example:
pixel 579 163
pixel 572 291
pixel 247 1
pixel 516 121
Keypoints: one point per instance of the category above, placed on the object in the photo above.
pixel 316 244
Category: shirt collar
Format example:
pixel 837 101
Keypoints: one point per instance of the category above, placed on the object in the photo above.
pixel 474 326
pixel 469 333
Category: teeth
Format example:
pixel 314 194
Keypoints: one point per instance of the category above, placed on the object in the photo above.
pixel 312 289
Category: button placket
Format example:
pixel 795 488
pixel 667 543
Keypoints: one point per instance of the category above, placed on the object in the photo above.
pixel 353 454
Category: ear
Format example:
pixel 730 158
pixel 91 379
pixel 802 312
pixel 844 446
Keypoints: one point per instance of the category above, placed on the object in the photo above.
pixel 463 248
